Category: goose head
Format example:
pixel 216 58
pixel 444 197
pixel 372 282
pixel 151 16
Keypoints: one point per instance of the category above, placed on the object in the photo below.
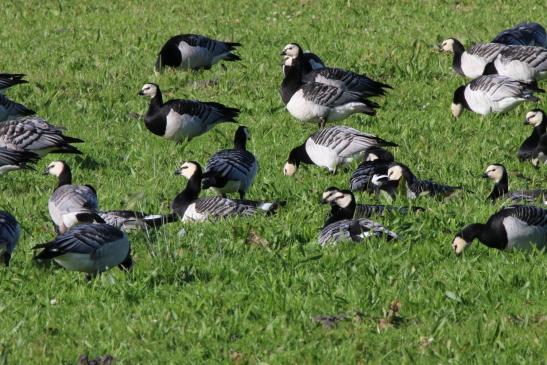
pixel 451 45
pixel 188 169
pixel 459 244
pixel 290 52
pixel 535 117
pixel 494 172
pixel 458 102
pixel 56 168
pixel 150 90
pixel 395 173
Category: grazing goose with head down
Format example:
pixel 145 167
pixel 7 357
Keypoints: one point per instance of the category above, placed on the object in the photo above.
pixel 232 170
pixel 70 204
pixel 189 207
pixel 341 224
pixel 337 77
pixel 514 227
pixel 10 109
pixel 537 119
pixel 413 187
pixel 521 63
pixel 195 52
pixel 498 174
pixel 182 119
pixel 523 34
pixel 9 235
pixel 471 63
pixel 371 174
pixel 88 248
pixel 332 146
pixel 36 135
pixel 11 160
pixel 9 80
pixel 492 94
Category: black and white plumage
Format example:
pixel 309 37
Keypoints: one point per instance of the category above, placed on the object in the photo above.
pixel 36 135
pixel 337 77
pixel 195 52
pixel 523 34
pixel 471 63
pixel 522 63
pixel 70 204
pixel 413 187
pixel 10 109
pixel 232 170
pixel 341 225
pixel 371 174
pixel 190 208
pixel 320 103
pixel 535 118
pixel 9 235
pixel 539 156
pixel 11 160
pixel 332 146
pixel 9 80
pixel 183 119
pixel 514 227
pixel 128 220
pixel 88 248
pixel 492 94
pixel 498 174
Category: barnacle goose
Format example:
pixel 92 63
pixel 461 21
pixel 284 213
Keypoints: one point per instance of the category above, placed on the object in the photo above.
pixel 70 204
pixel 498 174
pixel 341 226
pixel 190 207
pixel 11 160
pixel 414 187
pixel 9 80
pixel 522 63
pixel 539 156
pixel 514 227
pixel 371 174
pixel 332 76
pixel 317 102
pixel 183 119
pixel 471 63
pixel 492 94
pixel 523 34
pixel 536 118
pixel 36 135
pixel 194 51
pixel 10 109
pixel 332 146
pixel 232 170
pixel 88 248
pixel 128 220
pixel 9 235
pixel 352 210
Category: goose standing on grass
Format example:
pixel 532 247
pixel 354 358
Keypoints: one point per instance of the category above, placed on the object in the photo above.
pixel 182 119
pixel 515 227
pixel 9 235
pixel 189 207
pixel 10 109
pixel 371 174
pixel 9 80
pixel 232 170
pixel 471 63
pixel 347 80
pixel 522 63
pixel 498 174
pixel 88 248
pixel 36 135
pixel 319 103
pixel 128 220
pixel 492 94
pixel 341 226
pixel 70 204
pixel 523 34
pixel 537 119
pixel 11 160
pixel 332 146
pixel 413 187
pixel 540 154
pixel 195 52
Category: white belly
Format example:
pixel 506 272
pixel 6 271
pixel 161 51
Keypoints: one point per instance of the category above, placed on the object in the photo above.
pixel 516 70
pixel 305 110
pixel 191 215
pixel 522 236
pixel 472 65
pixel 343 111
pixel 193 57
pixel 322 156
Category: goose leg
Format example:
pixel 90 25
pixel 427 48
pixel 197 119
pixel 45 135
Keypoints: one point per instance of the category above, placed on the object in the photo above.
pixel 322 122
pixel 7 258
pixel 241 195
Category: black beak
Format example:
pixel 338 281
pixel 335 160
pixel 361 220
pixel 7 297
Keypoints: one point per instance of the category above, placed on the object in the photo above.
pixel 282 53
pixel 46 171
pixel 526 121
pixel 140 93
pixel 178 172
pixel 485 176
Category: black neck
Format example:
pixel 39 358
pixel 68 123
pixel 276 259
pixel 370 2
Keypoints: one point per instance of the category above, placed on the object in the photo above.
pixel 459 97
pixel 457 60
pixel 292 81
pixel 65 178
pixel 500 188
pixel 157 100
pixel 489 236
pixel 299 155
pixel 189 194
pixel 240 140
pixel 541 129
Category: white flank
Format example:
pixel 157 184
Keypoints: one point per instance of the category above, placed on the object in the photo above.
pixel 305 110
pixel 520 235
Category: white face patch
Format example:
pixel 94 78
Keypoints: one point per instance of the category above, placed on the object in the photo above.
pixel 456 109
pixel 372 157
pixel 534 118
pixel 459 245
pixel 149 90
pixel 56 168
pixel 343 201
pixel 494 172
pixel 188 169
pixel 291 50
pixel 289 169
pixel 395 173
pixel 331 195
pixel 448 45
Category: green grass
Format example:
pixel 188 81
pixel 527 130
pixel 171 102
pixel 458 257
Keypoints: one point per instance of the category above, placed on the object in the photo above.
pixel 214 296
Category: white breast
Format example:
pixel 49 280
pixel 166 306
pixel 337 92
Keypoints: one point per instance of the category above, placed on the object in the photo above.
pixel 478 101
pixel 191 215
pixel 472 65
pixel 322 156
pixel 193 57
pixel 305 110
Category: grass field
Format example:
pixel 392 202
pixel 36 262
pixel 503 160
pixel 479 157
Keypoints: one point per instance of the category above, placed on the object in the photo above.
pixel 247 290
